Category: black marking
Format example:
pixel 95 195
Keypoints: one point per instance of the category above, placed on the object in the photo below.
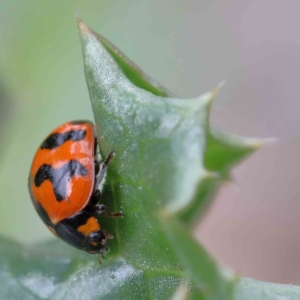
pixel 40 209
pixel 59 177
pixel 57 139
pixel 67 230
pixel 43 214
pixel 79 219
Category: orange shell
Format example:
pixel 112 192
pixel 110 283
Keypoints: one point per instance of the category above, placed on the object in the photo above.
pixel 78 187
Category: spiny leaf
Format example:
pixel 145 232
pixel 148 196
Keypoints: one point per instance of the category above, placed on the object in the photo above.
pixel 223 149
pixel 176 157
pixel 160 144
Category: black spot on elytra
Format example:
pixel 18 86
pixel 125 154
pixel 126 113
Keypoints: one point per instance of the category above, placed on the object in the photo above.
pixel 39 208
pixel 59 177
pixel 43 213
pixel 57 139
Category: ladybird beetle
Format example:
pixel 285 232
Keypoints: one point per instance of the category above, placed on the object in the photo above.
pixel 63 185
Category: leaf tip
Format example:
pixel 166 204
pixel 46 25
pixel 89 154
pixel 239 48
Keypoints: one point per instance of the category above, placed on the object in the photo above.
pixel 256 144
pixel 216 90
pixel 82 27
pixel 208 98
pixel 229 183
pixel 220 85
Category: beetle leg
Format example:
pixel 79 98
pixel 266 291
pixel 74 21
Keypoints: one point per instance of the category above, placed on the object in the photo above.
pixel 97 167
pixel 99 257
pixel 95 198
pixel 104 168
pixel 96 146
pixel 101 208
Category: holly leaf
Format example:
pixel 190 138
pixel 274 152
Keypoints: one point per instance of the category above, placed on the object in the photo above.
pixel 169 163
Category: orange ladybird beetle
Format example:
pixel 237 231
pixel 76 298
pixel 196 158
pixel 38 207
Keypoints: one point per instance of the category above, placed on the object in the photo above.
pixel 63 185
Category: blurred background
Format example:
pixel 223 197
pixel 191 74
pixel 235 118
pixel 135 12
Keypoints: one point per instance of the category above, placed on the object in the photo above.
pixel 188 46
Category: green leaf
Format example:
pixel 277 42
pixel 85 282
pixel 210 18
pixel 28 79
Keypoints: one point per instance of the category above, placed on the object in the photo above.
pixel 200 267
pixel 169 164
pixel 55 271
pixel 160 144
pixel 223 151
pixel 132 71
pixel 249 289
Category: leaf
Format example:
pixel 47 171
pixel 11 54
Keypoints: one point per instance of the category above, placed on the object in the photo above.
pixel 160 144
pixel 223 149
pixel 132 71
pixel 168 156
pixel 54 271
pixel 249 289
